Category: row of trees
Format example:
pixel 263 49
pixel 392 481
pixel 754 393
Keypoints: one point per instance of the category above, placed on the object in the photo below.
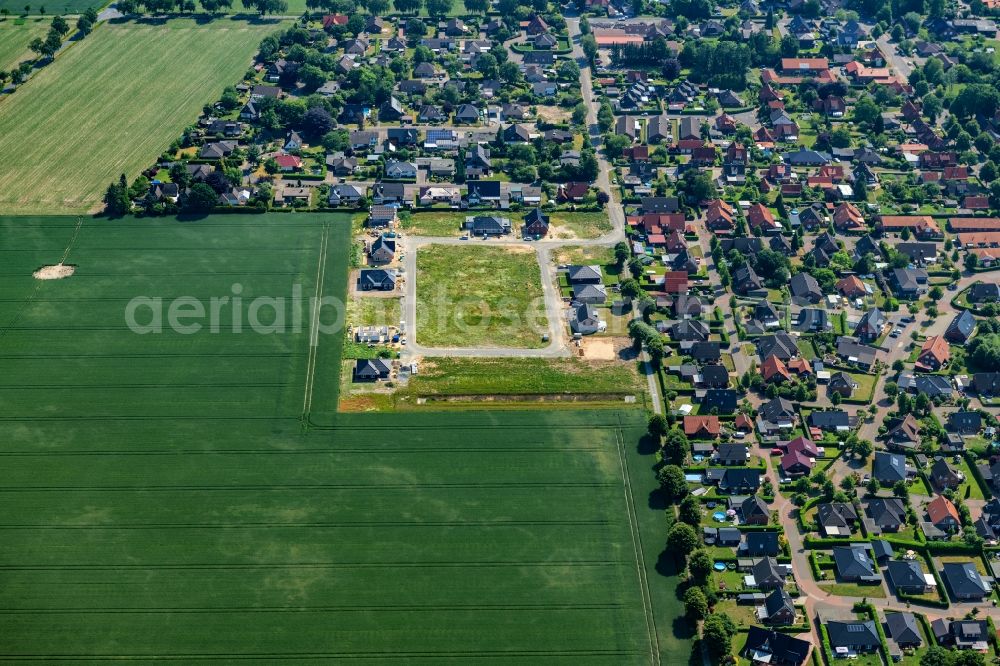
pixel 684 545
pixel 263 7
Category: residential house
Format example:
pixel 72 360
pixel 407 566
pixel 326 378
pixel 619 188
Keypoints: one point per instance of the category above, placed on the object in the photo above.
pixel 934 354
pixel 903 629
pixel 887 514
pixel 370 370
pixel 943 476
pixel 768 574
pixel 377 279
pixel 943 515
pixel 382 250
pixel 855 636
pixel 775 648
pixel 805 288
pixel 907 577
pixel 778 608
pixel 903 433
pixel 889 468
pixel 961 328
pixel 964 581
pixel 583 319
pixel 753 510
pixel 836 519
pixel 759 544
pixel 854 564
pixel 702 427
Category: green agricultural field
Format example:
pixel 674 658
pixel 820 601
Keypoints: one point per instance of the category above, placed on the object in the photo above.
pixel 14 39
pixel 478 295
pixel 50 7
pixel 110 105
pixel 172 503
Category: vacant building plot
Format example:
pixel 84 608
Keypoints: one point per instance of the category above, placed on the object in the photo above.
pixel 172 503
pixel 470 296
pixel 15 35
pixel 110 105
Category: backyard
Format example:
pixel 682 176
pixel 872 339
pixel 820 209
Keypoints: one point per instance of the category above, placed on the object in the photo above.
pixel 470 296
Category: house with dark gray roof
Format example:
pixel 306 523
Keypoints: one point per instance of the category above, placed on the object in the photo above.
pixel 854 564
pixel 768 574
pixel 830 420
pixel 805 288
pixel 754 511
pixel 871 325
pixel 369 370
pixel 889 468
pixel 964 581
pixel 836 518
pixel 906 576
pixel 779 609
pixel 377 279
pixel 961 328
pixel 857 636
pixel 887 514
pixel 740 480
pixel 724 401
pixel 965 423
pixel 903 629
pixel 781 345
pixel 775 648
pixel 760 544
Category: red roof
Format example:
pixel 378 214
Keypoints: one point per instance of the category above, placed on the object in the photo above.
pixel 696 425
pixel 773 367
pixel 975 223
pixel 288 161
pixel 675 282
pixel 335 19
pixel 940 508
pixel 803 446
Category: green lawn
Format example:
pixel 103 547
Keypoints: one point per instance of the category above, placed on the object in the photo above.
pixel 14 39
pixel 110 105
pixel 173 504
pixel 443 222
pixel 570 224
pixel 367 311
pixel 444 378
pixel 970 486
pixel 854 590
pixel 477 295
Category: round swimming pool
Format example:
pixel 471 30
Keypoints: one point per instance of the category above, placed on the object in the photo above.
pixel 720 566
pixel 719 516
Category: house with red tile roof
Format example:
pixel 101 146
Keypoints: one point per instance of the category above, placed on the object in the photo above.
pixel 934 354
pixel 703 427
pixel 773 369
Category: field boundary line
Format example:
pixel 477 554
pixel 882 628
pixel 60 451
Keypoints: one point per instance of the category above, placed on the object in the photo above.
pixel 640 561
pixel 314 326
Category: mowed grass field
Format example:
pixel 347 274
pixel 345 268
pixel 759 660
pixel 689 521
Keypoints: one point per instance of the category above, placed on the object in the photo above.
pixel 14 39
pixel 164 500
pixel 110 105
pixel 469 296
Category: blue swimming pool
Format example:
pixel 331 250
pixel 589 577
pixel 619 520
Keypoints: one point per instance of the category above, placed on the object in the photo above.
pixel 720 566
pixel 719 516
